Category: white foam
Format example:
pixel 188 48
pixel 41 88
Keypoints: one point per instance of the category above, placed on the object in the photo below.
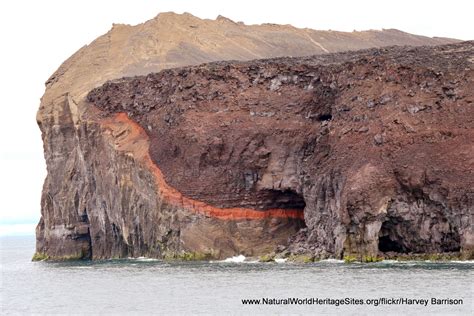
pixel 83 267
pixel 281 260
pixel 237 259
pixel 332 260
pixel 143 259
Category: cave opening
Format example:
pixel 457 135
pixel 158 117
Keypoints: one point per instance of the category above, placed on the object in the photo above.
pixel 388 245
pixel 389 241
pixel 283 199
pixel 397 235
pixel 324 117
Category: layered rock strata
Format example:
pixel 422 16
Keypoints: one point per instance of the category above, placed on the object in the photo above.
pixel 376 146
pixel 367 152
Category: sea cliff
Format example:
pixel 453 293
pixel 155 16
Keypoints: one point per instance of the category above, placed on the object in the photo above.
pixel 357 154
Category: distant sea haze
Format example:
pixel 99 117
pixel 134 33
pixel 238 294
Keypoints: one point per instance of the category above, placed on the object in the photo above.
pixel 20 229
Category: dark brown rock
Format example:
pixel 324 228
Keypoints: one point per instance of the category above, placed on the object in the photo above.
pixel 228 158
pixel 357 198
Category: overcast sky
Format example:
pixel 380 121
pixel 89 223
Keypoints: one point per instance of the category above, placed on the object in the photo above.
pixel 36 36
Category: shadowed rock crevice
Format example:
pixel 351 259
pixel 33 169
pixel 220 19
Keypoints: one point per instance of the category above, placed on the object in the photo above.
pixel 286 199
pixel 388 245
pixel 399 236
pixel 389 240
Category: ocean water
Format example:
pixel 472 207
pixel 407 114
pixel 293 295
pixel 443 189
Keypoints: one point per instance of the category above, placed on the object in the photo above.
pixel 144 286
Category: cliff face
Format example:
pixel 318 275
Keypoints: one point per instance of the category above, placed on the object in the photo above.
pixel 371 150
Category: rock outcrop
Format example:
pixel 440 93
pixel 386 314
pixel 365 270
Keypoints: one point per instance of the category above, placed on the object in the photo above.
pixel 359 152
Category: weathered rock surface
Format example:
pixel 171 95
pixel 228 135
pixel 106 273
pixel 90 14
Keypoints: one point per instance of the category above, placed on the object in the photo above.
pixel 371 150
